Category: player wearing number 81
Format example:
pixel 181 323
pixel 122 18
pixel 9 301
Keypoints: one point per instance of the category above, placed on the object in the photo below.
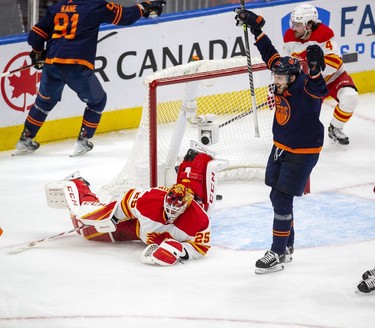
pixel 64 45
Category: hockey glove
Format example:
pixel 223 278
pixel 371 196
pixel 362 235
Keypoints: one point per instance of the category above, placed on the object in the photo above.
pixel 315 59
pixel 152 8
pixel 252 20
pixel 38 58
pixel 166 254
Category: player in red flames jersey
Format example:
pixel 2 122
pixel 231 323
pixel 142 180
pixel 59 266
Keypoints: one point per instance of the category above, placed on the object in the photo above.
pixel 173 225
pixel 306 29
pixel 173 222
pixel 64 45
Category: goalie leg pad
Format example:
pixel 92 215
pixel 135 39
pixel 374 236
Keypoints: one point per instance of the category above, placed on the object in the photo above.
pixel 98 215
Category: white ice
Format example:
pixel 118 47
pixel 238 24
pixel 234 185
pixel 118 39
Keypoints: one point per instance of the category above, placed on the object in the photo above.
pixel 72 282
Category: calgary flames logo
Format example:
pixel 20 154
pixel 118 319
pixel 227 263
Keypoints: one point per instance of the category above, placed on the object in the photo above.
pixel 19 89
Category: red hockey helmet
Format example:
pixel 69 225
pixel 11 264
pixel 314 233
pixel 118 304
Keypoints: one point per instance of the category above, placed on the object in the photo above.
pixel 176 200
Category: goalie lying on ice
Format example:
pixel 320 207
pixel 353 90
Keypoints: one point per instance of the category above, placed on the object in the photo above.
pixel 173 225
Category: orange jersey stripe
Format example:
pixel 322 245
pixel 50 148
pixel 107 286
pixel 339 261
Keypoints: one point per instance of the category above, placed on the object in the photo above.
pixel 40 32
pixel 71 61
pixel 298 150
pixel 201 248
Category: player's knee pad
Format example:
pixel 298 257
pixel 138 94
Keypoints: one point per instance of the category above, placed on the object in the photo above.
pixel 99 106
pixel 282 203
pixel 348 99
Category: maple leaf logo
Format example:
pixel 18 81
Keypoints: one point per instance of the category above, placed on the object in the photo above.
pixel 22 86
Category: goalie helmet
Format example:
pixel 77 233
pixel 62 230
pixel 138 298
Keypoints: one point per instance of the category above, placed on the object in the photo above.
pixel 176 200
pixel 304 13
pixel 286 66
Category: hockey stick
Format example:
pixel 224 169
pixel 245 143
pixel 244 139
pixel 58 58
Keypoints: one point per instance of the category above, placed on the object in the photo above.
pixel 38 242
pixel 242 115
pixel 250 70
pixel 16 70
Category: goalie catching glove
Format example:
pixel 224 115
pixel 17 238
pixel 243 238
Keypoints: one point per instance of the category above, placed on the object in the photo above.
pixel 167 253
pixel 152 8
pixel 252 20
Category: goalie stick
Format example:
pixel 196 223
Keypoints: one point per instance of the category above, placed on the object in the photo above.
pixel 242 115
pixel 40 241
pixel 250 70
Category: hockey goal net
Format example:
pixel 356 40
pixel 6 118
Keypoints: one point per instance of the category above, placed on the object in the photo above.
pixel 207 101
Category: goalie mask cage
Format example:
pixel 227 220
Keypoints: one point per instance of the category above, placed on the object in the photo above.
pixel 207 99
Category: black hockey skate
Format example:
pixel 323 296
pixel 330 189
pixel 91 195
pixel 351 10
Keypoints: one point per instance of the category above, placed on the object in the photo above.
pixel 367 285
pixel 337 136
pixel 368 274
pixel 270 262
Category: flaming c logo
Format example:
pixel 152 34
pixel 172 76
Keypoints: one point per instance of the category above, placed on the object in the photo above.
pixel 19 89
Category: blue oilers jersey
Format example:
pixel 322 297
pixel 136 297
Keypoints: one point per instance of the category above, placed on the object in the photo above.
pixel 71 29
pixel 296 125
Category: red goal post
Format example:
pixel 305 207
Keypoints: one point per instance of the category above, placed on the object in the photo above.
pixel 207 100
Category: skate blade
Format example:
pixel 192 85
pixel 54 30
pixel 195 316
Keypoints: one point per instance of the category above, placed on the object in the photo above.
pixel 338 145
pixel 19 152
pixel 79 152
pixel 276 268
pixel 288 258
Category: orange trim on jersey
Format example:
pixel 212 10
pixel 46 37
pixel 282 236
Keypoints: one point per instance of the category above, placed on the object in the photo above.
pixel 40 32
pixel 124 204
pixel 117 18
pixel 33 121
pixel 201 248
pixel 298 150
pixel 44 97
pixel 333 60
pixel 70 61
pixel 310 94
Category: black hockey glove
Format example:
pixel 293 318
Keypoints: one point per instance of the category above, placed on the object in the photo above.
pixel 152 7
pixel 252 20
pixel 38 58
pixel 315 59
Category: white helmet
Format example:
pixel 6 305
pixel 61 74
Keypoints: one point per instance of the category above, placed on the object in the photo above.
pixel 304 13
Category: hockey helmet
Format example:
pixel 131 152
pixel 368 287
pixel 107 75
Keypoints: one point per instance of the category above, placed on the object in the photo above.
pixel 176 200
pixel 286 66
pixel 304 13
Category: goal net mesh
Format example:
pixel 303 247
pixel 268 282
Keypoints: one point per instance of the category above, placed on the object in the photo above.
pixel 205 101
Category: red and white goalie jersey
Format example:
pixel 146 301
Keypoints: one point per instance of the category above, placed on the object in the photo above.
pixel 324 37
pixel 191 228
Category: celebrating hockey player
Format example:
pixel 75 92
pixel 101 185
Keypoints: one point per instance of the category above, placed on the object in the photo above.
pixel 173 222
pixel 64 46
pixel 306 29
pixel 297 133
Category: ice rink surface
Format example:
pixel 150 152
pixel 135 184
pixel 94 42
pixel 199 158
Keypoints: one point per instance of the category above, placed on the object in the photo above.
pixel 72 282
